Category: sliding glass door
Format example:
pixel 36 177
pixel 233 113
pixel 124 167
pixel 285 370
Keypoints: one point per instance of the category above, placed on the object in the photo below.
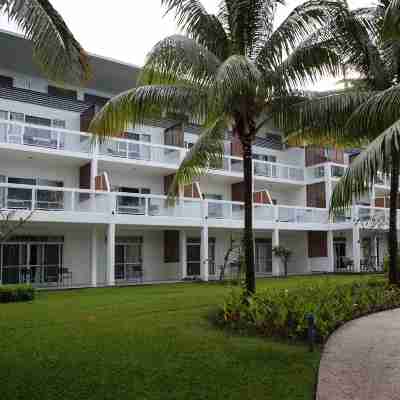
pixel 31 262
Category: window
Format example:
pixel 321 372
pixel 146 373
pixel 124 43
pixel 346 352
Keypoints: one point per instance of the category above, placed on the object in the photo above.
pixel 6 81
pixel 45 199
pixel 94 99
pixel 3 114
pixel 132 204
pixel 188 145
pixel 18 117
pixel 58 123
pixel 264 157
pixel 61 92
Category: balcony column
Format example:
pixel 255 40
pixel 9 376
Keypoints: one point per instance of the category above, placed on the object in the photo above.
pixel 356 248
pixel 330 251
pixel 204 253
pixel 93 257
pixel 110 266
pixel 183 254
pixel 276 262
pixel 94 171
pixel 328 184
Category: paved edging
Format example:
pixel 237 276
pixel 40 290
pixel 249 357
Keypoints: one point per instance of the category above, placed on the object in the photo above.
pixel 361 360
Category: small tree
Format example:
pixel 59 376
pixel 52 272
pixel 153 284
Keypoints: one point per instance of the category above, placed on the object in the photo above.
pixel 10 223
pixel 284 254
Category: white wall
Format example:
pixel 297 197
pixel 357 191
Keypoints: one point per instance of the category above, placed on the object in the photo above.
pixel 72 119
pixel 130 178
pixel 37 168
pixel 298 244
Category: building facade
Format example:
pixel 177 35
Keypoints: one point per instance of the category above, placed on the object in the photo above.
pixel 99 213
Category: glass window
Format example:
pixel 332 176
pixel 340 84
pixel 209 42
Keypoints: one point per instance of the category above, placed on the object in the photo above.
pixel 19 117
pixel 3 114
pixel 30 119
pixel 58 123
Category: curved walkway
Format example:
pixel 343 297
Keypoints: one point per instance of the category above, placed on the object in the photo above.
pixel 361 360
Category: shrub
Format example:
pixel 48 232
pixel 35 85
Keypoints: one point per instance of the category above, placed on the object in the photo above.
pixel 16 293
pixel 283 312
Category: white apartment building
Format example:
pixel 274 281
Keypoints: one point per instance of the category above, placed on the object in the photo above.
pixel 99 211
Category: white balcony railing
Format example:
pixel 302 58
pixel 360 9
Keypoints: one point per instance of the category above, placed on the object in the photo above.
pixel 44 137
pixel 278 171
pixel 44 198
pixel 56 200
pixel 136 150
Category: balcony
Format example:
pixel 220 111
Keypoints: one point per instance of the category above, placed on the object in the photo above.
pixel 141 151
pixel 278 171
pixel 43 137
pixel 66 205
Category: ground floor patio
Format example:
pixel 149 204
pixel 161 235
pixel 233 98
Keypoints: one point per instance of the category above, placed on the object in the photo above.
pixel 80 255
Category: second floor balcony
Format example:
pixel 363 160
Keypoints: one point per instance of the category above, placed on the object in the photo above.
pixel 85 206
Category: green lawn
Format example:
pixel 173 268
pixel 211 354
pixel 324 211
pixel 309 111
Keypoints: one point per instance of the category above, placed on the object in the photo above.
pixel 152 342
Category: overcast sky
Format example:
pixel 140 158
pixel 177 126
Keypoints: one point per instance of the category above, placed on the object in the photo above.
pixel 127 29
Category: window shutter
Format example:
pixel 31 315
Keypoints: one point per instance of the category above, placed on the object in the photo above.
pixel 317 244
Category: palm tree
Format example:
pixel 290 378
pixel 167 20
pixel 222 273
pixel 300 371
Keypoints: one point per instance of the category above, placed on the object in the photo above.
pixel 227 72
pixel 367 112
pixel 55 49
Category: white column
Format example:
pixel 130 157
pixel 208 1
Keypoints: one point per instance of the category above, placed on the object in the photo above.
pixel 93 257
pixel 204 253
pixel 374 244
pixel 183 253
pixel 94 171
pixel 356 248
pixel 110 274
pixel 276 262
pixel 331 258
pixel 328 184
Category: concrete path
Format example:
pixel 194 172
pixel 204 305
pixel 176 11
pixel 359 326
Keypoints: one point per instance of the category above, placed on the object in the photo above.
pixel 361 360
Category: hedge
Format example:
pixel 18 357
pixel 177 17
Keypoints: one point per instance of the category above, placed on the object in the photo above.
pixel 284 312
pixel 16 293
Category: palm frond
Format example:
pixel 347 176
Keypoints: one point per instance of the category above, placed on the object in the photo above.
pixel 136 105
pixel 362 172
pixel 322 119
pixel 391 22
pixel 249 23
pixel 376 114
pixel 54 47
pixel 296 28
pixel 206 152
pixel 237 78
pixel 203 27
pixel 178 59
pixel 354 38
pixel 307 64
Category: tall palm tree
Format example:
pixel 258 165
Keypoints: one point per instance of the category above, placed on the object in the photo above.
pixel 227 72
pixel 366 114
pixel 55 49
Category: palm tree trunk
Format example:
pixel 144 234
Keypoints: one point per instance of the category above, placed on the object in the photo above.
pixel 392 235
pixel 248 216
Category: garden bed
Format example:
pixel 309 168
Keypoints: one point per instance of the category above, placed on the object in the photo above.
pixel 285 313
pixel 16 293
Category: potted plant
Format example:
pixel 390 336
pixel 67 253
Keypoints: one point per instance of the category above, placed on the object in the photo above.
pixel 284 254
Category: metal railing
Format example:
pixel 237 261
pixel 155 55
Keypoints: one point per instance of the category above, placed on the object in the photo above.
pixel 52 199
pixel 37 275
pixel 278 171
pixel 44 137
pixel 142 151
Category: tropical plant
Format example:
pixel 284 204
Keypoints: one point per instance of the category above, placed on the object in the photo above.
pixel 284 254
pixel 365 114
pixel 227 73
pixel 55 48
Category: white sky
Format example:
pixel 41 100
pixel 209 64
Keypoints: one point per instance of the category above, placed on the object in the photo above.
pixel 126 30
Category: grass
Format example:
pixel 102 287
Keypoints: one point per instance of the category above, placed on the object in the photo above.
pixel 151 342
